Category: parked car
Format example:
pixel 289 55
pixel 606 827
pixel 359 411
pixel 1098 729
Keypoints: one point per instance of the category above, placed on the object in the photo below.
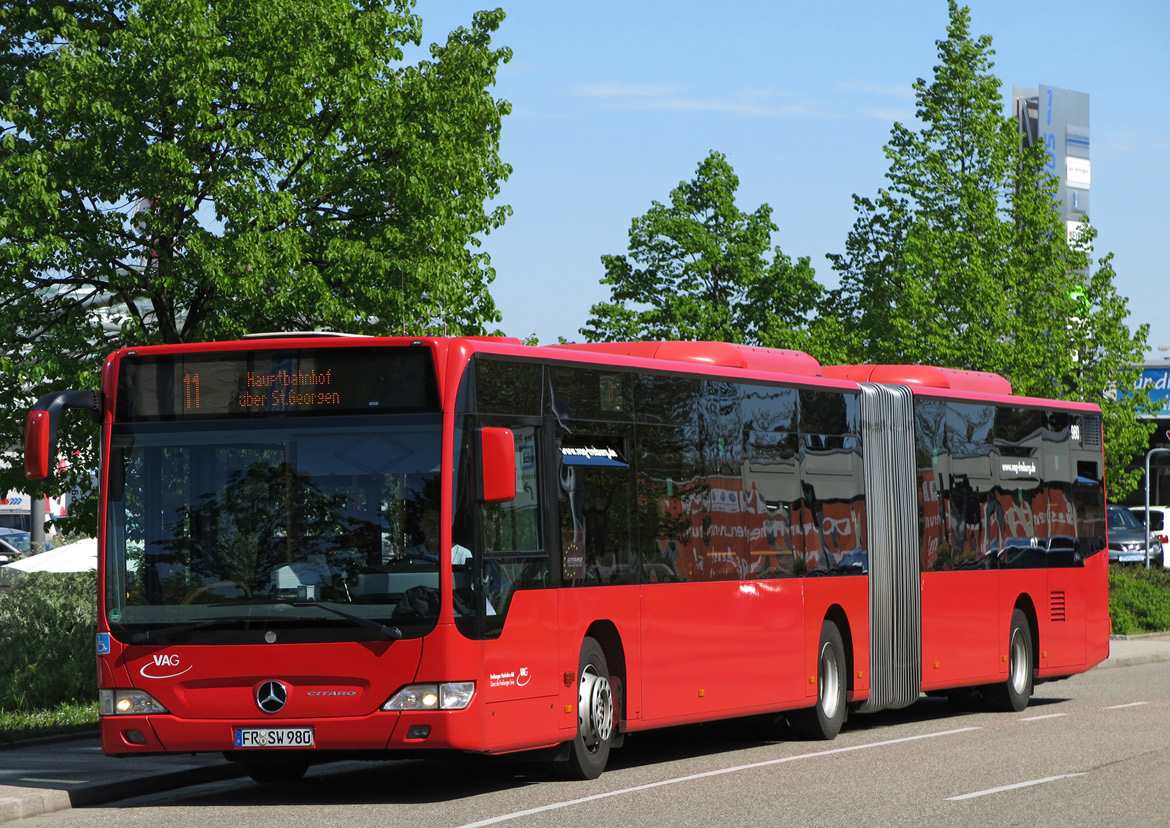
pixel 20 539
pixel 8 552
pixel 1127 538
pixel 1158 526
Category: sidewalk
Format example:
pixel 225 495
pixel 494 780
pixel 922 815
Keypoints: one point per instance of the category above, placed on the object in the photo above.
pixel 44 776
pixel 1128 650
pixel 55 774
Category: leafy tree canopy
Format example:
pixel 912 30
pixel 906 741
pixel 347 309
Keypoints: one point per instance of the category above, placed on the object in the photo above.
pixel 182 170
pixel 699 269
pixel 963 260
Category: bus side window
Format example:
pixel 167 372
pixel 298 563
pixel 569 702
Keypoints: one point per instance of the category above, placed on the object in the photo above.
pixel 513 554
pixel 595 513
pixel 515 524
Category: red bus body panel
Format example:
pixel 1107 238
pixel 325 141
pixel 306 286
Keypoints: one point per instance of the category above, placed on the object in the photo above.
pixel 683 652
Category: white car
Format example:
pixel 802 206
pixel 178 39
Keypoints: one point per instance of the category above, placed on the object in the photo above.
pixel 1158 526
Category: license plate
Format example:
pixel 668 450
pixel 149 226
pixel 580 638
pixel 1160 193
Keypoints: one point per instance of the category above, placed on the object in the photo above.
pixel 274 737
pixel 1131 558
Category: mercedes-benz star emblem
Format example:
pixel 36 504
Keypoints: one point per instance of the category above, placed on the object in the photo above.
pixel 271 696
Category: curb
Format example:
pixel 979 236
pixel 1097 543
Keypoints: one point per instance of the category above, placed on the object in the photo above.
pixel 1154 653
pixel 1133 660
pixel 23 803
pixel 31 802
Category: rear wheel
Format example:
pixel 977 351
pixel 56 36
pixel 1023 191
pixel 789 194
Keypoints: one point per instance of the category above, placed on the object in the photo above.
pixel 824 720
pixel 589 751
pixel 1013 695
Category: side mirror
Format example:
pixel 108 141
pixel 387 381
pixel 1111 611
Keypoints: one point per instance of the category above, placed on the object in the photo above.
pixel 39 432
pixel 40 429
pixel 497 465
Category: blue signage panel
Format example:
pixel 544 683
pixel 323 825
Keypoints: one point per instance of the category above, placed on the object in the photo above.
pixel 1157 381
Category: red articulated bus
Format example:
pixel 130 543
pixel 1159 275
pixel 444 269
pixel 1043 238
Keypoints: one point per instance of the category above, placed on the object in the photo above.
pixel 316 547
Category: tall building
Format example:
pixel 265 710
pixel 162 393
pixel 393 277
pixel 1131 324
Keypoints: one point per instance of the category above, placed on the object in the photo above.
pixel 1059 120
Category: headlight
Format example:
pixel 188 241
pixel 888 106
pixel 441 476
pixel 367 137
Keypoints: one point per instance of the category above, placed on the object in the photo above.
pixel 452 695
pixel 127 703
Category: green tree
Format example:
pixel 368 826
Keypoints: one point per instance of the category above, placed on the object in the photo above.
pixel 179 170
pixel 699 269
pixel 963 260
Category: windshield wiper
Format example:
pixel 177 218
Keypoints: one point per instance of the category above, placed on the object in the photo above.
pixel 166 632
pixel 393 633
pixel 381 629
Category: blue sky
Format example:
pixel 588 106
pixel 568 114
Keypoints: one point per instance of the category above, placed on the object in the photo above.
pixel 615 103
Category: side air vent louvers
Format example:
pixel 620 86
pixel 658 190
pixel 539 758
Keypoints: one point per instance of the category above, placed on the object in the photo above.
pixel 1091 431
pixel 1057 606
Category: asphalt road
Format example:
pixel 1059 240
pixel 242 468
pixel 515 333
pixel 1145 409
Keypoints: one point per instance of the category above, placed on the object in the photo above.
pixel 1090 751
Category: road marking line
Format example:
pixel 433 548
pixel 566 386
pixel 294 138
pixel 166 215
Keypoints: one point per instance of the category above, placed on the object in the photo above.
pixel 1122 706
pixel 1014 787
pixel 1049 716
pixel 708 774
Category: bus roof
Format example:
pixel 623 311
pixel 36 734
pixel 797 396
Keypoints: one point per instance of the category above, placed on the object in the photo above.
pixel 954 379
pixel 763 362
pixel 718 354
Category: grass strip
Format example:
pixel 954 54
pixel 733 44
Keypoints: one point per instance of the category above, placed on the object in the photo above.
pixel 16 726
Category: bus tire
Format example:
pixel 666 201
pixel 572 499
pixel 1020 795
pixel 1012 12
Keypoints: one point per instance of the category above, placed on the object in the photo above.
pixel 824 720
pixel 1013 695
pixel 587 754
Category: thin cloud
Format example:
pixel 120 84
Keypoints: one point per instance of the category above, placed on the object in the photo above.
pixel 751 101
pixel 520 68
pixel 885 102
pixel 889 114
pixel 1130 141
pixel 618 89
pixel 885 90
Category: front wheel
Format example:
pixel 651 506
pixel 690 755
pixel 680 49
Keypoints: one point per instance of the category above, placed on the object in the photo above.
pixel 824 720
pixel 1013 695
pixel 589 751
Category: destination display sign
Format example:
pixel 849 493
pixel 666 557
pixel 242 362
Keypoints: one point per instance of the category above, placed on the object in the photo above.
pixel 282 382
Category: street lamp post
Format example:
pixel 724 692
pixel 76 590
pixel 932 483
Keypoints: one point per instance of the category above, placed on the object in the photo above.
pixel 1150 454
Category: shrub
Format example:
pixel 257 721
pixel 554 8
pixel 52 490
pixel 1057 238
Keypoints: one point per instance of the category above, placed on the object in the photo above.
pixel 1139 600
pixel 78 717
pixel 47 641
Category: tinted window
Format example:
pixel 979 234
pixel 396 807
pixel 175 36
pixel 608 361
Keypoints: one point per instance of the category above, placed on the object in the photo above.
pixel 595 508
pixel 587 394
pixel 666 399
pixel 832 514
pixel 507 387
pixel 669 491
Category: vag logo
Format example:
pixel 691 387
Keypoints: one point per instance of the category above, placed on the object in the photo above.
pixel 163 666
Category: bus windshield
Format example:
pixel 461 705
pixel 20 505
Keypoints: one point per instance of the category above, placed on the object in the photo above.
pixel 229 525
